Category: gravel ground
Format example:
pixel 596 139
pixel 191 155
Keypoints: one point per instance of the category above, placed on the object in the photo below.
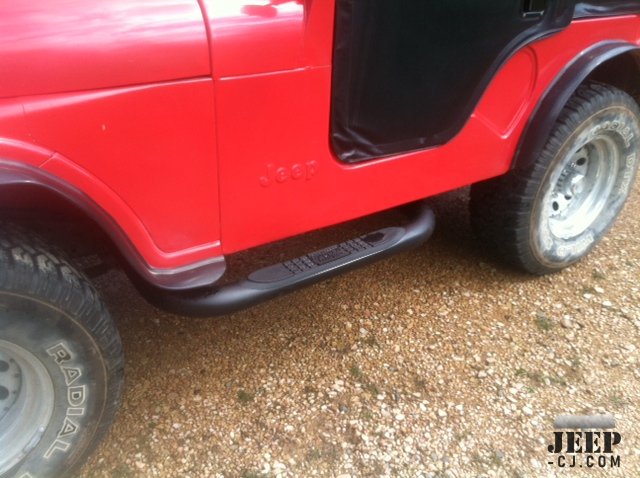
pixel 437 362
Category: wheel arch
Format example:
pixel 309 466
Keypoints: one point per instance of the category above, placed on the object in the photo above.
pixel 29 194
pixel 615 63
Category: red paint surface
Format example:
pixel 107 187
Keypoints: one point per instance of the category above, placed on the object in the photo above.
pixel 283 119
pixel 153 148
pixel 200 149
pixel 52 46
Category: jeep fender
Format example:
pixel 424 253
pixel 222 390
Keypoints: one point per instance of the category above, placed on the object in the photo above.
pixel 14 176
pixel 558 94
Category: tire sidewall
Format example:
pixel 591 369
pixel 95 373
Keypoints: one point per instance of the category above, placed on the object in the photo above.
pixel 620 123
pixel 78 374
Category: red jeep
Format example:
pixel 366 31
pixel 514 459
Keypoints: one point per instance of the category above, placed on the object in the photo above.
pixel 184 131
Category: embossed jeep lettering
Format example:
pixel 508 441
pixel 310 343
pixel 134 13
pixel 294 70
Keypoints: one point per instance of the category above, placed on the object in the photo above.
pixel 282 174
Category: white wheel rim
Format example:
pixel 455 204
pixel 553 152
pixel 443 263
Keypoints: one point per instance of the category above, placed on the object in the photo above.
pixel 582 188
pixel 26 403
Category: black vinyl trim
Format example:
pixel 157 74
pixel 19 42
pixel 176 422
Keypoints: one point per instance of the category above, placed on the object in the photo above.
pixel 558 94
pixel 606 8
pixel 200 274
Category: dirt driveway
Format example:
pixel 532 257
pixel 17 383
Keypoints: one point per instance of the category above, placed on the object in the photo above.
pixel 437 362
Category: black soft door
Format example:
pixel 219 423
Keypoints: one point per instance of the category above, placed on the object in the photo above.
pixel 408 73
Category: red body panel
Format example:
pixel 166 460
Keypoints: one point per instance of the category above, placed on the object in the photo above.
pixel 203 129
pixel 257 38
pixel 279 120
pixel 146 155
pixel 71 45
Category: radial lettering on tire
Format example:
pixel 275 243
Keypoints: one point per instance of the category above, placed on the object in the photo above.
pixel 76 397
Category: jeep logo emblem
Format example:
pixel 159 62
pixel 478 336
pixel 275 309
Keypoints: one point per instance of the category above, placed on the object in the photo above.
pixel 281 174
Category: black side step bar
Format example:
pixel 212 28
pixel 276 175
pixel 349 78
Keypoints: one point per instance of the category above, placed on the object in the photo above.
pixel 288 276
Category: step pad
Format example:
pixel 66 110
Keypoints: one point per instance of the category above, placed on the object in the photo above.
pixel 325 258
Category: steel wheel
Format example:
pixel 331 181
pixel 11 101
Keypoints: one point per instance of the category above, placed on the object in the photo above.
pixel 26 403
pixel 551 213
pixel 583 185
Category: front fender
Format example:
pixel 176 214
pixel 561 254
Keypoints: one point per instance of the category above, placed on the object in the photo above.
pixel 15 176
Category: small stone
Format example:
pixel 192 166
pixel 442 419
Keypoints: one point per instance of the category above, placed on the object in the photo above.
pixel 400 417
pixel 482 374
pixel 607 304
pixel 599 289
pixel 442 413
pixel 566 322
pixel 527 410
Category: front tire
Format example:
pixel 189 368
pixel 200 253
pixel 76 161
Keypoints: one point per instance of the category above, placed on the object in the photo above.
pixel 550 214
pixel 61 362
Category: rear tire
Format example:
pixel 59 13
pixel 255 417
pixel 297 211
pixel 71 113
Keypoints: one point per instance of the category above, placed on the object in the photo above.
pixel 550 214
pixel 61 361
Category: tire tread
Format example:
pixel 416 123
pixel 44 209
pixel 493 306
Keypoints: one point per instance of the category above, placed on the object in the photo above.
pixel 27 267
pixel 499 207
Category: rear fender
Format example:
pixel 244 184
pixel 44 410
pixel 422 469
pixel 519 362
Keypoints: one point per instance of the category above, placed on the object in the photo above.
pixel 558 94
